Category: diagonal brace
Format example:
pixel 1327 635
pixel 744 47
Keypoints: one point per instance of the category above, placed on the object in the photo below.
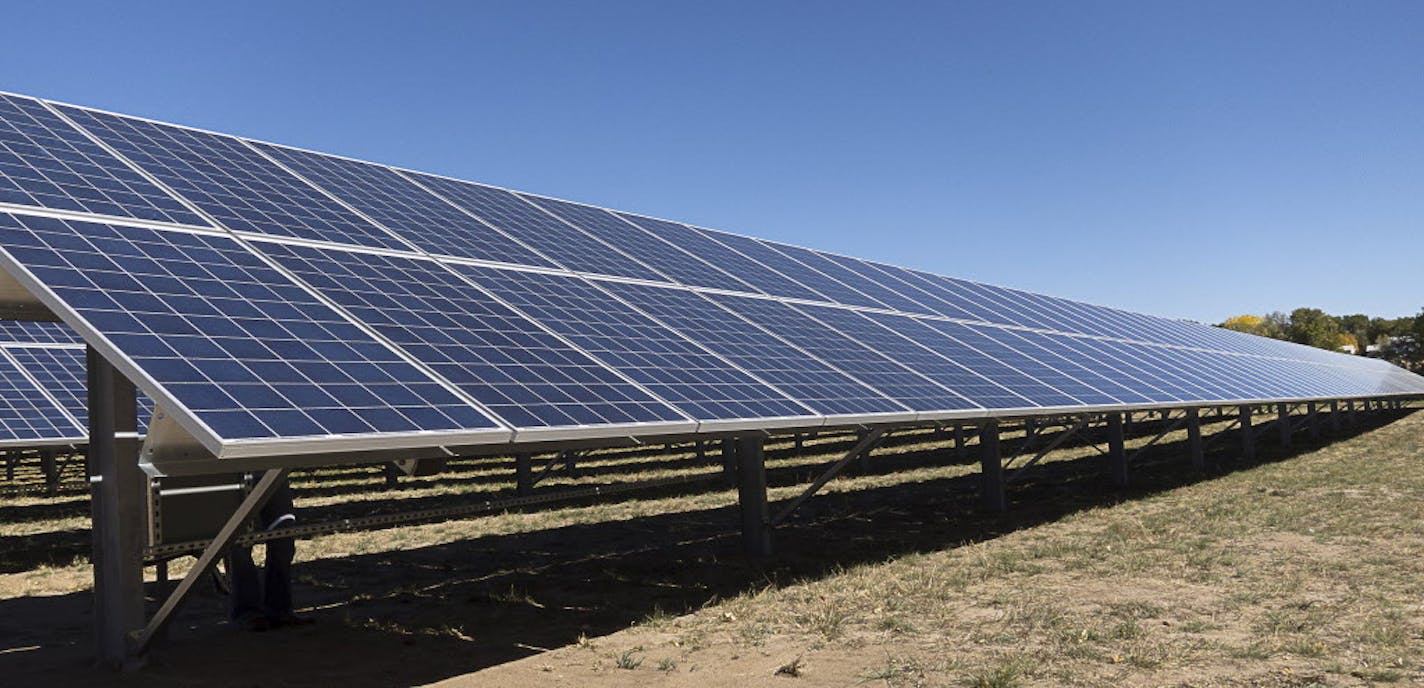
pixel 215 550
pixel 1166 431
pixel 867 443
pixel 1056 443
pixel 1221 434
pixel 559 459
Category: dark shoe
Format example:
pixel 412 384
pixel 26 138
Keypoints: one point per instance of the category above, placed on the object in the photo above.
pixel 254 624
pixel 291 619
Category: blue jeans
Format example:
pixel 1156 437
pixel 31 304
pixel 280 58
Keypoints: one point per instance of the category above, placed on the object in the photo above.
pixel 272 596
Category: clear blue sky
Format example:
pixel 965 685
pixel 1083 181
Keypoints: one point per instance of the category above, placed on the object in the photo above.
pixel 1192 159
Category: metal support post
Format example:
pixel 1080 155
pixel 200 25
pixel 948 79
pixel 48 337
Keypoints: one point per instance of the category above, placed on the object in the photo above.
pixel 1335 418
pixel 1248 435
pixel 118 510
pixel 1283 420
pixel 729 462
pixel 1194 439
pixel 800 442
pixel 1354 420
pixel 1312 412
pixel 1126 420
pixel 523 474
pixel 751 495
pixel 1117 452
pixel 50 469
pixel 991 469
pixel 959 448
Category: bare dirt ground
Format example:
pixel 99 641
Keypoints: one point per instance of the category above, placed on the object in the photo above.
pixel 1303 569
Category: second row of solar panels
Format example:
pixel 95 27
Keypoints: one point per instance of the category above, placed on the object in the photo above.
pixel 45 161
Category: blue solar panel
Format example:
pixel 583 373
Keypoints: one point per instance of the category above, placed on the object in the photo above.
pixel 27 414
pixel 233 340
pixel 792 370
pixel 1193 384
pixel 868 280
pixel 400 205
pixel 551 237
pixel 953 302
pixel 998 344
pixel 767 254
pixel 232 182
pixel 29 332
pixel 63 372
pixel 525 375
pixel 941 337
pixel 700 243
pixel 892 372
pixel 1100 373
pixel 671 261
pixel 698 383
pixel 46 163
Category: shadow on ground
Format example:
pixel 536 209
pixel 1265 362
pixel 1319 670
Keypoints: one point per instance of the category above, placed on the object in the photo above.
pixel 420 615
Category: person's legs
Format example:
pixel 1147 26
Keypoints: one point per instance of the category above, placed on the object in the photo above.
pixel 277 589
pixel 245 594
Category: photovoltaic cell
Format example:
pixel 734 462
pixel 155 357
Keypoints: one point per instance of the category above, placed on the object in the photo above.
pixel 700 243
pixel 62 371
pixel 866 279
pixel 29 332
pixel 766 254
pixel 551 237
pixel 997 343
pixel 249 352
pixel 25 412
pixel 660 255
pixel 522 373
pixel 47 163
pixel 231 182
pixel 698 383
pixel 1100 374
pixel 792 370
pixel 400 205
pixel 938 336
pixel 882 370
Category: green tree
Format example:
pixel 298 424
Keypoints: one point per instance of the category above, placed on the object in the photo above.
pixel 1276 326
pixel 1313 327
pixel 1357 326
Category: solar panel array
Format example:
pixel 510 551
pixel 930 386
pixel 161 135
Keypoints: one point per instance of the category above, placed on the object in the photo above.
pixel 277 296
pixel 43 389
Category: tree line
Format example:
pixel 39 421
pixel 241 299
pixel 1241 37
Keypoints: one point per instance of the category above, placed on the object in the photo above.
pixel 1399 340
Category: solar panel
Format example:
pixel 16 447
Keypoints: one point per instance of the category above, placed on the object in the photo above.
pixel 27 414
pixel 63 372
pixel 525 375
pixel 398 204
pixel 689 377
pixel 700 243
pixel 997 384
pixel 231 182
pixel 867 280
pixel 667 259
pixel 551 237
pixel 880 369
pixel 46 163
pixel 250 353
pixel 826 287
pixel 339 304
pixel 791 369
pixel 30 332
